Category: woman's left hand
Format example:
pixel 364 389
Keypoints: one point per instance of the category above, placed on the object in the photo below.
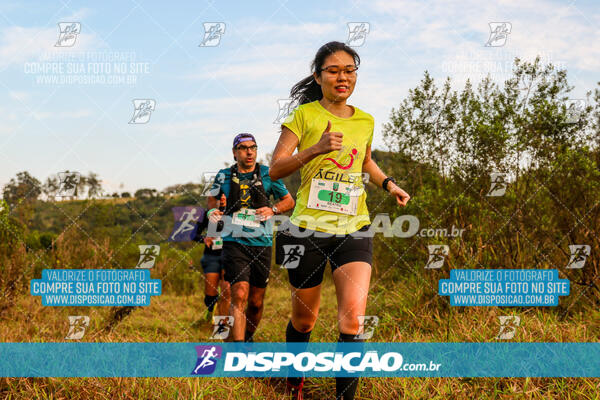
pixel 401 196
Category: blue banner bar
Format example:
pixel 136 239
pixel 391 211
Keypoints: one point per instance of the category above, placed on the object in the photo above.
pixel 297 359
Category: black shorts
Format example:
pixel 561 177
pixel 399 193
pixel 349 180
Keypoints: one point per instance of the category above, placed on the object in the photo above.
pixel 247 263
pixel 211 263
pixel 306 257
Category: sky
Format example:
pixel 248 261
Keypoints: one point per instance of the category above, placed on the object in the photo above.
pixel 68 102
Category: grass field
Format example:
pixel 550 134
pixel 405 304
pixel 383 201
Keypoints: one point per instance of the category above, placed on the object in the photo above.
pixel 408 309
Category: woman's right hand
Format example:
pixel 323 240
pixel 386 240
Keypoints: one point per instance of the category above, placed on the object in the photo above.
pixel 330 141
pixel 208 241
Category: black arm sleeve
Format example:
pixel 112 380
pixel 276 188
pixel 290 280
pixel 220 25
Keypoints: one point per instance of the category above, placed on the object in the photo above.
pixel 202 226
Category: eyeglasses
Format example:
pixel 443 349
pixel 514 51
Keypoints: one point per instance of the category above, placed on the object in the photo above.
pixel 334 69
pixel 247 148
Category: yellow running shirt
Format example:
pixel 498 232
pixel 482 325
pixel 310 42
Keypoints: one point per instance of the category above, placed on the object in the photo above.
pixel 331 197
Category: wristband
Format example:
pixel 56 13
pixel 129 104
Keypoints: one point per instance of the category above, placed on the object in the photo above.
pixel 385 182
pixel 210 212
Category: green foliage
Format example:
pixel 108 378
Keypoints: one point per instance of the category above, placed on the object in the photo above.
pixel 444 145
pixel 11 230
pixel 36 240
pixel 25 188
pixel 145 193
pixel 491 128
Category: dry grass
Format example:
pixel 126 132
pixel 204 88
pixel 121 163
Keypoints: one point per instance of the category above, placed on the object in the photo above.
pixel 407 313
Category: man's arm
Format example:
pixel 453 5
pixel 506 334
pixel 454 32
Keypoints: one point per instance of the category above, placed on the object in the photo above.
pixel 285 203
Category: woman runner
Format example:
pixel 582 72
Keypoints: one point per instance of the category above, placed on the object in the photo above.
pixel 212 266
pixel 334 149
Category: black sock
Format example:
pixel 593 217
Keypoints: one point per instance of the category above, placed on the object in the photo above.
pixel 249 337
pixel 345 387
pixel 292 335
pixel 210 302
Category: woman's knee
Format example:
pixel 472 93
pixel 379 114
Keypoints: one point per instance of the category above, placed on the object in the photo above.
pixel 304 325
pixel 304 321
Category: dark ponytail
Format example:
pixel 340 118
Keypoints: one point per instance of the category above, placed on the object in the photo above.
pixel 308 90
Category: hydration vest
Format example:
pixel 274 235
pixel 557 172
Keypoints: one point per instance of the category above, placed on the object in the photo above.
pixel 248 193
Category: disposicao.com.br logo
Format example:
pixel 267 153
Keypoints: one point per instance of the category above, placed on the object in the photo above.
pixel 370 361
pixel 248 363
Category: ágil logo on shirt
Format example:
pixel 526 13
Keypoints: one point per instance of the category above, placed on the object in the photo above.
pixel 352 154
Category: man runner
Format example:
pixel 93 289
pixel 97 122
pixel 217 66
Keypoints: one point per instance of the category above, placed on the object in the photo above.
pixel 247 250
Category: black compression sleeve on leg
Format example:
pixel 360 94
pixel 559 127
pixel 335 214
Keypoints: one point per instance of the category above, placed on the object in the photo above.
pixel 210 302
pixel 292 335
pixel 345 387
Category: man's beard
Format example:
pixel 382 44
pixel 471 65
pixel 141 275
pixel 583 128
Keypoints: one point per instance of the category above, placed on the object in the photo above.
pixel 247 165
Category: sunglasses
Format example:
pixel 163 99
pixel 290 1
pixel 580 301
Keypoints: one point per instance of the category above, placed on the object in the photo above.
pixel 247 148
pixel 334 69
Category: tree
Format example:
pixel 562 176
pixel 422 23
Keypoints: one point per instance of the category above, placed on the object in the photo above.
pixel 489 128
pixel 50 188
pixel 144 193
pixel 94 184
pixel 185 188
pixel 524 128
pixel 24 188
pixel 80 187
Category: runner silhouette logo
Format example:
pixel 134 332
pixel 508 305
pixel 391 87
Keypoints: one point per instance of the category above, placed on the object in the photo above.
pixel 437 255
pixel 207 359
pixel 579 254
pixel 292 254
pixel 498 185
pixel 148 254
pixel 221 326
pixel 186 223
pixel 508 326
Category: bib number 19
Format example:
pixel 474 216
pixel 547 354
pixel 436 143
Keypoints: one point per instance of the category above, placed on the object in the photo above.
pixel 334 197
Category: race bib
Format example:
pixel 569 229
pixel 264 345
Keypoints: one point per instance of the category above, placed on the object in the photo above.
pixel 333 196
pixel 246 217
pixel 217 243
